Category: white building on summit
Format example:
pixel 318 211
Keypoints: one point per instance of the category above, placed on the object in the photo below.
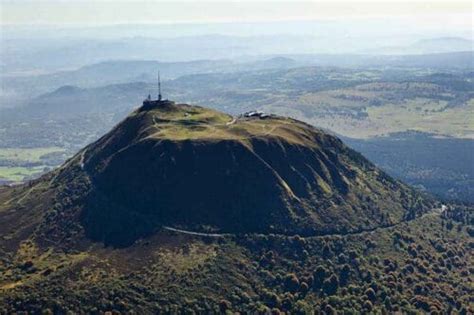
pixel 149 103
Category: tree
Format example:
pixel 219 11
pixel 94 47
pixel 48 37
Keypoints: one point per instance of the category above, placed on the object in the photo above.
pixel 327 252
pixel 319 275
pixel 368 306
pixel 292 283
pixel 303 308
pixel 370 293
pixel 224 305
pixel 331 284
pixel 344 275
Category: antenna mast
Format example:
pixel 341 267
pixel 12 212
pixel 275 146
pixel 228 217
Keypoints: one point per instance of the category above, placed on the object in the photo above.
pixel 159 87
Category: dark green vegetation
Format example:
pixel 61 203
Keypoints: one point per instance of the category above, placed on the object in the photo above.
pixel 196 168
pixel 421 266
pixel 307 225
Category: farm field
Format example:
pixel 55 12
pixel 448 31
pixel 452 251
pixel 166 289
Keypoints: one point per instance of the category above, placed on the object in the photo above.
pixel 18 174
pixel 20 164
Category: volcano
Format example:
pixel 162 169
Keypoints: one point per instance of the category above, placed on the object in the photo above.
pixel 200 170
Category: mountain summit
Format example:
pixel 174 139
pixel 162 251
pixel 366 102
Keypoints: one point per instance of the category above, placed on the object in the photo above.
pixel 197 169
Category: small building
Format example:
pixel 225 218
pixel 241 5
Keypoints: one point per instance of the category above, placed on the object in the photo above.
pixel 149 103
pixel 256 114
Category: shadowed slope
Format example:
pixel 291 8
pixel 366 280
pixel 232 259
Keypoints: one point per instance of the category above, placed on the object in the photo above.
pixel 200 170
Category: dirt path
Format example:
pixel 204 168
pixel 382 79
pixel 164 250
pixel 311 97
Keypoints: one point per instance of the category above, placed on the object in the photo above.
pixel 231 122
pixel 168 228
pixel 81 160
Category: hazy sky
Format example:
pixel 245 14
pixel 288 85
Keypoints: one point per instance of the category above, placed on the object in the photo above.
pixel 453 15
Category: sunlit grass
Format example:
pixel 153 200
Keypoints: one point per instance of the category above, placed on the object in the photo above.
pixel 18 173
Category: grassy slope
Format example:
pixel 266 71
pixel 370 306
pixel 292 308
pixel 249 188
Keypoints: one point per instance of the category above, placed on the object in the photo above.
pixel 192 122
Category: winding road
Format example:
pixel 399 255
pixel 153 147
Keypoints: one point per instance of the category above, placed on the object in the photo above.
pixel 433 212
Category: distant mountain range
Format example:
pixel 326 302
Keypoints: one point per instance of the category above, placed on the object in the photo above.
pixel 19 88
pixel 20 56
pixel 432 45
